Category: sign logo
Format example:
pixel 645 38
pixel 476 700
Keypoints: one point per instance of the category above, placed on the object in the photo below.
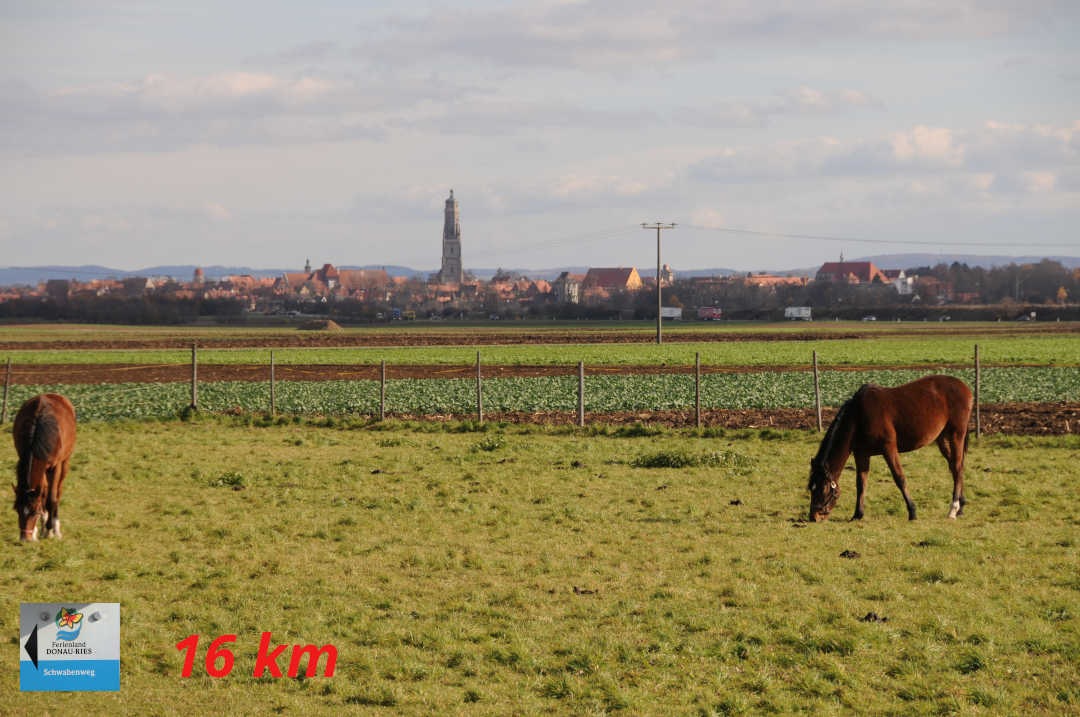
pixel 58 655
pixel 69 623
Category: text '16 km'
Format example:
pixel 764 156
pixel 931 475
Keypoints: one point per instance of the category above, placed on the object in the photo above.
pixel 266 659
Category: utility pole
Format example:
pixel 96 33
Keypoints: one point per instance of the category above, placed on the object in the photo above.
pixel 658 226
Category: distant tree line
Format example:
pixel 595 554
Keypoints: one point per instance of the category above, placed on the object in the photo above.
pixel 1045 283
pixel 148 309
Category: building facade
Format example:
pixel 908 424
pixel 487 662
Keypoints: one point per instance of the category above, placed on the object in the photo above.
pixel 850 272
pixel 451 272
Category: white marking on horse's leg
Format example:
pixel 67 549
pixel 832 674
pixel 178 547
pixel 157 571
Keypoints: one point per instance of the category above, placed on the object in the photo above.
pixel 954 509
pixel 55 532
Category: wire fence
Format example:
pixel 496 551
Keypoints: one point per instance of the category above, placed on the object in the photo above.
pixel 573 389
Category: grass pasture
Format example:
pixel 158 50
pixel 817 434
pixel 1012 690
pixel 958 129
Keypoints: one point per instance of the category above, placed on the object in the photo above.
pixel 527 570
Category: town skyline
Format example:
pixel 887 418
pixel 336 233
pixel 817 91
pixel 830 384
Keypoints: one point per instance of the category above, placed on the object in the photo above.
pixel 12 275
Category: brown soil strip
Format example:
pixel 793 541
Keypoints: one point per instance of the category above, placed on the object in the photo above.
pixel 378 337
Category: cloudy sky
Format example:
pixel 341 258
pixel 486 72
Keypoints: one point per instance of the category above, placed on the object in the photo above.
pixel 136 133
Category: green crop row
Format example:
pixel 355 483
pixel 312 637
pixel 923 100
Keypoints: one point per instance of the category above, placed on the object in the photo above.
pixel 550 393
pixel 930 351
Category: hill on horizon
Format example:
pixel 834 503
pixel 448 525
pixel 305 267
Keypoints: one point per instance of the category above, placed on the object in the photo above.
pixel 31 275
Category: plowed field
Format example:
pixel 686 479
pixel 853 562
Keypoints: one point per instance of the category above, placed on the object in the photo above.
pixel 488 337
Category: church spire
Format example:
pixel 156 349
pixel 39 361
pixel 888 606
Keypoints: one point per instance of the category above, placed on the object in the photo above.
pixel 451 272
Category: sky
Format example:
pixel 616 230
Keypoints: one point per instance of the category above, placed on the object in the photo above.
pixel 142 133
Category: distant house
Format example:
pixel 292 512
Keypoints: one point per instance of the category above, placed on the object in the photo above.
pixel 903 283
pixel 931 289
pixel 771 281
pixel 329 281
pixel 137 286
pixel 850 272
pixel 612 279
pixel 567 288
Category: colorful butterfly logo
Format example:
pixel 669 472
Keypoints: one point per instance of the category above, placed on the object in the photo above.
pixel 68 618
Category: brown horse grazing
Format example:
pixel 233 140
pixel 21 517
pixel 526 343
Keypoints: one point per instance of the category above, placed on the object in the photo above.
pixel 885 422
pixel 44 435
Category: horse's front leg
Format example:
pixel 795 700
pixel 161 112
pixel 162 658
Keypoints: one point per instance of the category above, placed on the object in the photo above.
pixel 56 482
pixel 862 470
pixel 892 458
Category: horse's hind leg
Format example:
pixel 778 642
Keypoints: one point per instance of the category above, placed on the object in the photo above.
pixel 952 445
pixel 892 458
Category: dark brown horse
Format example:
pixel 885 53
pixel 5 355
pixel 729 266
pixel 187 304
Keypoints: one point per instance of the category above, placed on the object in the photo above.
pixel 885 422
pixel 44 435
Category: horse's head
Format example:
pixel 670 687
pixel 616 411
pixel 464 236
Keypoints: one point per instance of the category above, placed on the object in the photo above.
pixel 29 507
pixel 823 491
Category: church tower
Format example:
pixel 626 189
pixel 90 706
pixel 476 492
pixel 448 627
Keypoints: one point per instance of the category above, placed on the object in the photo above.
pixel 451 244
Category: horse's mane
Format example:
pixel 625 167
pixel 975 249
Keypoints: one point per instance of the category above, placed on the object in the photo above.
pixel 37 439
pixel 834 427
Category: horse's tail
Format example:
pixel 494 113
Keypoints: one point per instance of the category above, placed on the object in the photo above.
pixel 40 439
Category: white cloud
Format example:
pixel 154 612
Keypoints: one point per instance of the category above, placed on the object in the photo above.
pixel 986 153
pixel 759 112
pixel 927 146
pixel 163 112
pixel 629 35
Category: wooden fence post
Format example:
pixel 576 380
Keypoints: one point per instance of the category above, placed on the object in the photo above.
pixel 194 379
pixel 479 397
pixel 697 389
pixel 581 394
pixel 7 383
pixel 273 404
pixel 817 393
pixel 978 422
pixel 382 391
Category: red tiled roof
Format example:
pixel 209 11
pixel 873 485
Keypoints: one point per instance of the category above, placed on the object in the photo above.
pixel 612 278
pixel 353 279
pixel 864 271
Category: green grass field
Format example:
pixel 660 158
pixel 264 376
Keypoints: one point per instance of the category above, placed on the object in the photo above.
pixel 442 563
pixel 884 351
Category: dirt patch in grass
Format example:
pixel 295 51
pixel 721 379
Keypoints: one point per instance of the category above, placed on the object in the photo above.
pixel 320 325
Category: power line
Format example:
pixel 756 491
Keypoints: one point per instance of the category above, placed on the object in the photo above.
pixel 860 240
pixel 598 235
